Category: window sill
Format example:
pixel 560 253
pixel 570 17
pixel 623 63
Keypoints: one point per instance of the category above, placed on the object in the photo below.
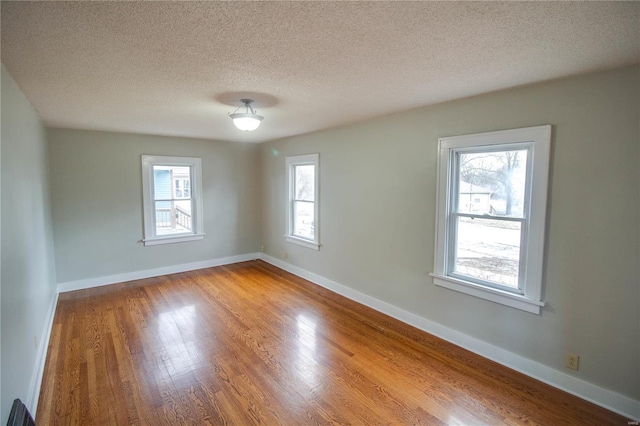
pixel 494 295
pixel 302 242
pixel 172 239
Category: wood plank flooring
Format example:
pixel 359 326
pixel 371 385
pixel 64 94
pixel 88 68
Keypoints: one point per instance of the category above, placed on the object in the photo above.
pixel 251 344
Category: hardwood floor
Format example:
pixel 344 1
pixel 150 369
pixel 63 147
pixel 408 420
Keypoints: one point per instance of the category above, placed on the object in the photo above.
pixel 251 344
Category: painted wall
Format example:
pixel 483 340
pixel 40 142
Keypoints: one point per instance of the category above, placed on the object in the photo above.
pixel 377 219
pixel 96 188
pixel 28 276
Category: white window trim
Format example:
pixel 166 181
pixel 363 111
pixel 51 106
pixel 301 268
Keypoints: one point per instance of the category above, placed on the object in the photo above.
pixel 539 139
pixel 300 160
pixel 150 237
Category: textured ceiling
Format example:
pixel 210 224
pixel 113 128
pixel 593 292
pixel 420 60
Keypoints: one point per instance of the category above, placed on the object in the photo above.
pixel 178 68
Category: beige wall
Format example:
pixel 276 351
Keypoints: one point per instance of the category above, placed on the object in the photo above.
pixel 28 277
pixel 377 213
pixel 97 202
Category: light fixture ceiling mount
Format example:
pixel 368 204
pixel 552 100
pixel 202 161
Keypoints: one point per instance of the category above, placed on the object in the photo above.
pixel 247 120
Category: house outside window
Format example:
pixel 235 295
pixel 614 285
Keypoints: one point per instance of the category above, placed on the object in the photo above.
pixel 181 185
pixel 302 200
pixel 172 211
pixel 491 209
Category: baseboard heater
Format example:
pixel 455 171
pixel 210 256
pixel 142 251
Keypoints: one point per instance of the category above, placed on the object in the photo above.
pixel 19 415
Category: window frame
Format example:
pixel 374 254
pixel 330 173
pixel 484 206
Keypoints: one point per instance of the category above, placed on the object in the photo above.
pixel 291 162
pixel 537 140
pixel 148 199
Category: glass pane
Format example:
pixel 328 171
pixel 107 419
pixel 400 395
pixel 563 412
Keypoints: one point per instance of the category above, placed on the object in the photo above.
pixel 173 217
pixel 303 219
pixel 163 176
pixel 305 182
pixel 489 250
pixel 492 182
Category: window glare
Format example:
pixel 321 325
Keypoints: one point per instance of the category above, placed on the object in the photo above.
pixel 304 182
pixel 492 182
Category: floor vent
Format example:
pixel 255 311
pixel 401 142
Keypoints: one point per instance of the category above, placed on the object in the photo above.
pixel 19 415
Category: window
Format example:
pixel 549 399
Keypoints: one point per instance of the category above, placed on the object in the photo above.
pixel 172 210
pixel 491 209
pixel 302 203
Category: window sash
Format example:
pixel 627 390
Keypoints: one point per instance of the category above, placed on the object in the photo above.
pixel 174 199
pixel 294 231
pixel 296 168
pixel 303 200
pixel 527 147
pixel 169 216
pixel 452 252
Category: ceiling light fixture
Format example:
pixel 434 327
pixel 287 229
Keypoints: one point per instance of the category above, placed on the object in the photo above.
pixel 247 120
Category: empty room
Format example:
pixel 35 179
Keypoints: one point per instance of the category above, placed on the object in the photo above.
pixel 311 212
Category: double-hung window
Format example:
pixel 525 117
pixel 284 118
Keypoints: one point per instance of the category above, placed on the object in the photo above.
pixel 302 200
pixel 491 209
pixel 172 199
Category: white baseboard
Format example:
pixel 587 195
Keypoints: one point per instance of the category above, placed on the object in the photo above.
pixel 36 376
pixel 148 273
pixel 613 401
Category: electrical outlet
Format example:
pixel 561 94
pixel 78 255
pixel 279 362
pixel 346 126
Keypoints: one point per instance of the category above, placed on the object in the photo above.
pixel 572 361
pixel 286 255
pixel 35 342
pixel 262 249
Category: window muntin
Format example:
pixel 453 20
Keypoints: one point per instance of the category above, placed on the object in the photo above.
pixel 302 205
pixel 491 213
pixel 172 211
